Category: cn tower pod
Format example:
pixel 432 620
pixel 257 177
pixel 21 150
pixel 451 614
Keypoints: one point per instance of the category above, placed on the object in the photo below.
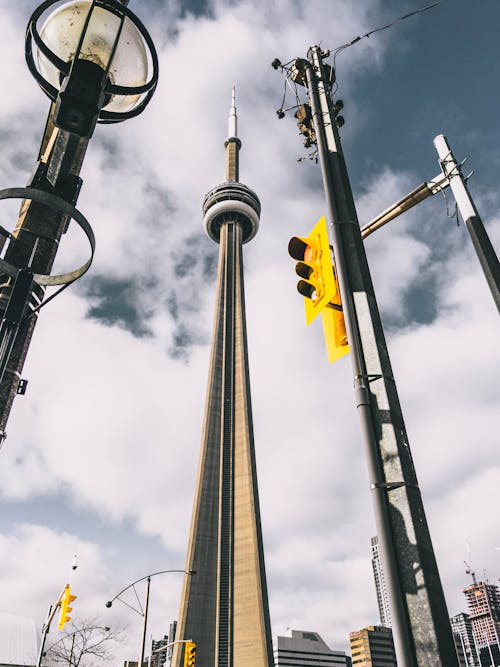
pixel 231 202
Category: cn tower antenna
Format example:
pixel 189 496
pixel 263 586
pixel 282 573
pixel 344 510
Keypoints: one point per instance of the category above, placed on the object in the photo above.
pixel 232 144
pixel 232 131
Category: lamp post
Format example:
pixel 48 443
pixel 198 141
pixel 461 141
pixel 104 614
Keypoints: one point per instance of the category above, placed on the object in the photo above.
pixel 97 63
pixel 143 612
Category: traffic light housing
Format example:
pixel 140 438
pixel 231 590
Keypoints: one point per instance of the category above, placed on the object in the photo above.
pixel 314 267
pixel 335 332
pixel 67 599
pixel 189 654
pixel 319 286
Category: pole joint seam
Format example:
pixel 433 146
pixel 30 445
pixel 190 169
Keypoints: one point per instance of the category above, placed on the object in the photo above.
pixel 371 377
pixel 390 486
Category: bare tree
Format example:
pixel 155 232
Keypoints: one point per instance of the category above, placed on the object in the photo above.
pixel 86 644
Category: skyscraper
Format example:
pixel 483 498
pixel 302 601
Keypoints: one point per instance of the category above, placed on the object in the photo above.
pixel 380 585
pixel 372 647
pixel 461 627
pixel 307 648
pixel 483 600
pixel 224 607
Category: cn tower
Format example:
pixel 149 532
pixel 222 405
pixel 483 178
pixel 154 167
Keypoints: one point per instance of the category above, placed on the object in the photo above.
pixel 224 606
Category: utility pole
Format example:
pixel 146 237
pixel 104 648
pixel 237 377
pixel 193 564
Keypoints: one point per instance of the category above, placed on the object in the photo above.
pixel 421 627
pixel 480 239
pixel 451 176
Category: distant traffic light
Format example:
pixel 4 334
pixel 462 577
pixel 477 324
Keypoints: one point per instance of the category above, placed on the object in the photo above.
pixel 319 286
pixel 190 654
pixel 67 599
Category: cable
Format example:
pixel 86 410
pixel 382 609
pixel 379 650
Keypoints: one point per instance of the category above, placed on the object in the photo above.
pixel 389 25
pixel 336 52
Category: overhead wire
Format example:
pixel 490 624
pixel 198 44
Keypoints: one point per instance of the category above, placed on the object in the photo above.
pixel 336 52
pixel 389 25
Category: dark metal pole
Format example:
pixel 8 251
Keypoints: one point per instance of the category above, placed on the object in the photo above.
pixel 45 631
pixel 144 628
pixel 34 244
pixel 482 244
pixel 46 627
pixel 421 626
pixel 72 648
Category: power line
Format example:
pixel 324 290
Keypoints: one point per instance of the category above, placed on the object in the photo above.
pixel 389 25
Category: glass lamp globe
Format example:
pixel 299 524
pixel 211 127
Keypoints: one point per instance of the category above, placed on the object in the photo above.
pixel 62 30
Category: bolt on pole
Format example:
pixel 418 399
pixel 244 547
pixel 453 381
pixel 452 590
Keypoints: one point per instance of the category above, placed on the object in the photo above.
pixel 480 239
pixel 421 626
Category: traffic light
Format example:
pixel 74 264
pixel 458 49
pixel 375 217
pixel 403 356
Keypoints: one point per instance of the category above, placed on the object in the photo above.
pixel 315 268
pixel 189 654
pixel 67 599
pixel 319 287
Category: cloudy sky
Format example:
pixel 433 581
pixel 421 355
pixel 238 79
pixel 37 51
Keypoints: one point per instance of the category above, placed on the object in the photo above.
pixel 101 453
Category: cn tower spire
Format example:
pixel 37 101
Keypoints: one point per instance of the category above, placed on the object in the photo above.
pixel 233 144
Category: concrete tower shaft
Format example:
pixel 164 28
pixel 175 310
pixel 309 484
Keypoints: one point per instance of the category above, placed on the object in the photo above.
pixel 224 606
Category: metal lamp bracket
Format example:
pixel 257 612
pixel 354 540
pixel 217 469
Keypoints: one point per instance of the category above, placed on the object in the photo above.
pixel 60 205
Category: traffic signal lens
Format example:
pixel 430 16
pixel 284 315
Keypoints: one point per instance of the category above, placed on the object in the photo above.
pixel 297 248
pixel 306 289
pixel 303 270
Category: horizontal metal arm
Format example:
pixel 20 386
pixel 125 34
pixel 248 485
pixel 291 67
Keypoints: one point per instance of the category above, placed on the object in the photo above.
pixel 148 576
pixel 410 200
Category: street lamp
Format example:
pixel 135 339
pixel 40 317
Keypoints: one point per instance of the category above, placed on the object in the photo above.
pixel 97 63
pixel 143 612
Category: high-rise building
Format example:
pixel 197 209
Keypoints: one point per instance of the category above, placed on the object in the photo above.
pixel 307 648
pixel 373 647
pixel 462 629
pixel 483 600
pixel 158 657
pixel 224 606
pixel 380 585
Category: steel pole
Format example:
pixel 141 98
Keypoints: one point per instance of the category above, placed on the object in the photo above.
pixel 45 631
pixel 144 628
pixel 72 648
pixel 421 627
pixel 480 239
